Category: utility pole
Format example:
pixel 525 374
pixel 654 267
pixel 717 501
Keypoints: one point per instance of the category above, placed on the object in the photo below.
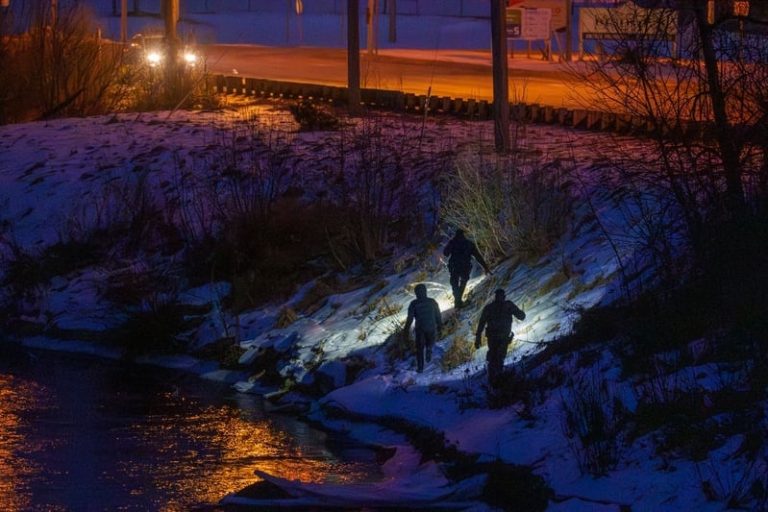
pixel 172 68
pixel 371 19
pixel 568 30
pixel 123 21
pixel 171 16
pixel 353 55
pixel 500 75
pixel 392 11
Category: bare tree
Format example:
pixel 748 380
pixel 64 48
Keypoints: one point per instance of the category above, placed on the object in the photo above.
pixel 704 108
pixel 705 111
pixel 64 66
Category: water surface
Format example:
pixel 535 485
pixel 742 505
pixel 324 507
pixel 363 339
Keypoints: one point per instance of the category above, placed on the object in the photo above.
pixel 87 434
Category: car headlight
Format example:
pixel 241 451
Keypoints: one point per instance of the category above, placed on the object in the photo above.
pixel 154 58
pixel 190 58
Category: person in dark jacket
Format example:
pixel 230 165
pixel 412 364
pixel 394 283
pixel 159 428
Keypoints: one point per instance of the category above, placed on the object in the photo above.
pixel 460 251
pixel 496 320
pixel 426 313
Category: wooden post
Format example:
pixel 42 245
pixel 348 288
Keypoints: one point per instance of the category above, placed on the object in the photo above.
pixel 500 75
pixel 353 55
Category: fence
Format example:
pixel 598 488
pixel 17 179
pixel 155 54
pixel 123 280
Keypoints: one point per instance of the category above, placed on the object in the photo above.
pixel 470 109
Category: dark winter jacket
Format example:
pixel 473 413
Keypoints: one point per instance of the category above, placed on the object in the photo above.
pixel 424 311
pixel 460 251
pixel 496 319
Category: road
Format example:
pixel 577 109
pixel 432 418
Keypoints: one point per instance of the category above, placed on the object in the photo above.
pixel 459 74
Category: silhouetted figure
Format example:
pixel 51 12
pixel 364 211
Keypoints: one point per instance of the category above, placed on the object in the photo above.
pixel 496 320
pixel 426 313
pixel 460 251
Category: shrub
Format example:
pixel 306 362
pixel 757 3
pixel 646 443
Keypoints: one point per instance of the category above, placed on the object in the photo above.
pixel 508 211
pixel 170 88
pixel 376 169
pixel 512 487
pixel 25 270
pixel 745 488
pixel 230 358
pixel 317 295
pixel 143 286
pixel 285 318
pixel 387 309
pixel 61 67
pixel 459 352
pixel 397 345
pixel 515 388
pixel 152 330
pixel 592 424
pixel 312 117
pixel 225 350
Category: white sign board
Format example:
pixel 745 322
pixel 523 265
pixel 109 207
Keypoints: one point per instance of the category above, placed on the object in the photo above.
pixel 530 24
pixel 558 8
pixel 627 22
pixel 537 24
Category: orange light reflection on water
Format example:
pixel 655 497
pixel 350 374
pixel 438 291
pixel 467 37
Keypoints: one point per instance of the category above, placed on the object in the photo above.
pixel 175 454
pixel 16 397
pixel 234 448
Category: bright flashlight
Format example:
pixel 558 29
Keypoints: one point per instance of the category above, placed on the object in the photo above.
pixel 154 58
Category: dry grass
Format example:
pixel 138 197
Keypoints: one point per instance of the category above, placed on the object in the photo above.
pixel 286 317
pixel 511 207
pixel 316 296
pixel 459 352
pixel 387 309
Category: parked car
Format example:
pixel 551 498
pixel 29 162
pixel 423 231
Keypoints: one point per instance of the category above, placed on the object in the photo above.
pixel 152 49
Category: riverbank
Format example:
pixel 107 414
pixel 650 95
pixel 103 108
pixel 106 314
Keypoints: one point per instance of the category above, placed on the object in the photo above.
pixel 106 223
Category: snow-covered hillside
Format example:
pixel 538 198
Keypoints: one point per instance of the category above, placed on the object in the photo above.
pixel 60 177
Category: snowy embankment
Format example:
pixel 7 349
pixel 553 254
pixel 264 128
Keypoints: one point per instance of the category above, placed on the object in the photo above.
pixel 54 179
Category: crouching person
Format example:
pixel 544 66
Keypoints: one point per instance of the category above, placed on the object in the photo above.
pixel 496 320
pixel 426 314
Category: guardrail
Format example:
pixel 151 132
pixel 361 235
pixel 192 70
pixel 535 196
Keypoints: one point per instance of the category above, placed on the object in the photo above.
pixel 471 109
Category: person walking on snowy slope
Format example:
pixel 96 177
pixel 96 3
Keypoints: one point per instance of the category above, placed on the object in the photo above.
pixel 496 320
pixel 460 251
pixel 426 313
